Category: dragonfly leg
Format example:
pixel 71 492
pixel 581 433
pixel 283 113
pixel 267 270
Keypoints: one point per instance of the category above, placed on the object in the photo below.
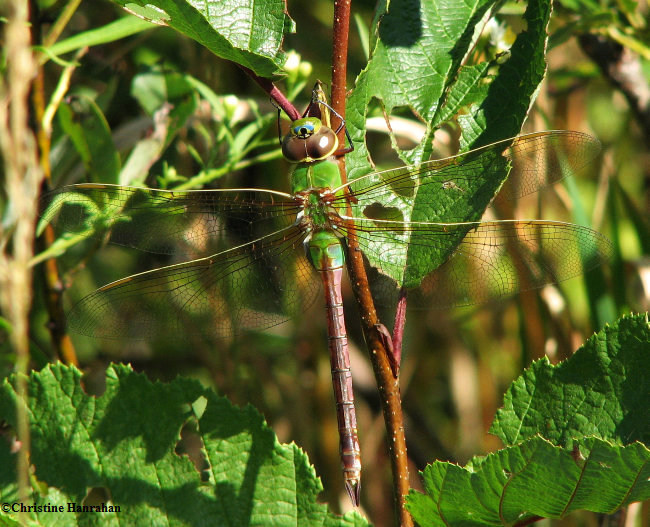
pixel 317 99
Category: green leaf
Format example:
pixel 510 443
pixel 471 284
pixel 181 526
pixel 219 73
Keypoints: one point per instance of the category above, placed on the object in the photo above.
pixel 171 99
pixel 602 390
pixel 247 32
pixel 126 441
pixel 501 113
pixel 468 88
pixel 575 434
pixel 418 63
pixel 533 479
pixel 85 125
pixel 116 30
pixel 638 218
pixel 601 304
pixel 417 57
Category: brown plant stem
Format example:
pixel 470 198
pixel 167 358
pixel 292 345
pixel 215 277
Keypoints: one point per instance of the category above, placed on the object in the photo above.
pixel 340 32
pixel 528 521
pixel 275 94
pixel 22 179
pixel 387 383
pixel 53 286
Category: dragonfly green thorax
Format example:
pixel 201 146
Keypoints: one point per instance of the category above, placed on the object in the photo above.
pixel 309 145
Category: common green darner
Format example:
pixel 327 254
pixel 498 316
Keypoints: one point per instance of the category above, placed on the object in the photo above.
pixel 264 248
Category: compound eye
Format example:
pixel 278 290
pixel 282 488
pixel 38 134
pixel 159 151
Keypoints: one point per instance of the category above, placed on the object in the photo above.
pixel 322 144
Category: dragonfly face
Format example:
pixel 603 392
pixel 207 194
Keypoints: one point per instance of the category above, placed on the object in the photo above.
pixel 308 141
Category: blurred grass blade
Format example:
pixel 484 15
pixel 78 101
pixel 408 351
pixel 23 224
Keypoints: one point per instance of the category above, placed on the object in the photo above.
pixel 601 304
pixel 121 28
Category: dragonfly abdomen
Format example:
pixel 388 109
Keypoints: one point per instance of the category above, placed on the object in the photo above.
pixel 337 340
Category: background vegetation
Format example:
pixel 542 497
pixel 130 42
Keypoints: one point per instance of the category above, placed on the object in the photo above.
pixel 457 364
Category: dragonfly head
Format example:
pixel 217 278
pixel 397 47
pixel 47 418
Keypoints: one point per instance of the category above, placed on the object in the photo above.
pixel 309 140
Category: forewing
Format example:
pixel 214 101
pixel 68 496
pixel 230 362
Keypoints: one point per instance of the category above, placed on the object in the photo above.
pixel 167 222
pixel 530 162
pixel 489 260
pixel 254 286
pixel 456 189
pixel 544 158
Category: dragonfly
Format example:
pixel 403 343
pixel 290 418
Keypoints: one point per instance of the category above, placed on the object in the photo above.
pixel 256 255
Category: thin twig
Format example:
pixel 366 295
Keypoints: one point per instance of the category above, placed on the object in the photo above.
pixel 340 32
pixel 275 94
pixel 43 118
pixel 62 21
pixel 387 383
pixel 46 114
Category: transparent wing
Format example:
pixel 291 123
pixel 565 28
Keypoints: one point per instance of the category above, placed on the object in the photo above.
pixel 254 286
pixel 532 161
pixel 167 222
pixel 470 263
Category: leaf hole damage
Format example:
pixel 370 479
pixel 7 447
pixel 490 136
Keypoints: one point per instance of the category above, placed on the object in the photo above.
pixel 406 126
pixel 191 445
pixel 8 435
pixel 96 496
pixel 377 211
pixel 93 381
pixel 389 132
